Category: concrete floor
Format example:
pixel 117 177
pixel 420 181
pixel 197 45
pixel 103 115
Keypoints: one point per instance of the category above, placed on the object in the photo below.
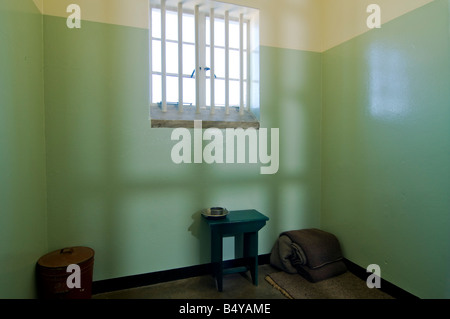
pixel 235 286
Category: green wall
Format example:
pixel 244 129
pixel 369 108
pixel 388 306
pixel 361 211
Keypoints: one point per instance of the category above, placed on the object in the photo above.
pixel 364 152
pixel 386 149
pixel 110 178
pixel 23 227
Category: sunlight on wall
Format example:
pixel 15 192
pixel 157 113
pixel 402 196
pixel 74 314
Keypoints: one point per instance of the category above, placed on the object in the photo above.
pixel 388 83
pixel 346 19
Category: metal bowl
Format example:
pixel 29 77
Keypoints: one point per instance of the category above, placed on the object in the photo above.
pixel 215 212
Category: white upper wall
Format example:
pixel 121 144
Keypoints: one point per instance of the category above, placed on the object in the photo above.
pixel 290 24
pixel 310 25
pixel 293 24
pixel 132 13
pixel 346 19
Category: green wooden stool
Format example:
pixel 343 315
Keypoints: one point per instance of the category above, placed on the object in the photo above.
pixel 246 222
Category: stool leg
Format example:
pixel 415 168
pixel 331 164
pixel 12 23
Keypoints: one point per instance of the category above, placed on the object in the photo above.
pixel 216 258
pixel 251 254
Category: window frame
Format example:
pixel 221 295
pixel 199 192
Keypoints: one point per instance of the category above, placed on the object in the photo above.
pixel 169 113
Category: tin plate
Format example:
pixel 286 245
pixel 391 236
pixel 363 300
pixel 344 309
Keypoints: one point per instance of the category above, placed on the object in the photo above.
pixel 207 214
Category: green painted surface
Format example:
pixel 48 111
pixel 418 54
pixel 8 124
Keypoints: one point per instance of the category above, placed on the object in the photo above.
pixel 364 152
pixel 386 149
pixel 110 178
pixel 22 148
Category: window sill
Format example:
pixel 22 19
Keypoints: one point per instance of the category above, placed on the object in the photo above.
pixel 174 119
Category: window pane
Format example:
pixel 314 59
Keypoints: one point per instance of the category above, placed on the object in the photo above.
pixel 156 23
pixel 208 92
pixel 156 88
pixel 172 89
pixel 172 25
pixel 235 98
pixel 220 92
pixel 188 58
pixel 189 84
pixel 234 34
pixel 171 57
pixel 219 62
pixel 234 93
pixel 156 56
pixel 234 64
pixel 188 28
pixel 189 91
pixel 219 32
pixel 219 96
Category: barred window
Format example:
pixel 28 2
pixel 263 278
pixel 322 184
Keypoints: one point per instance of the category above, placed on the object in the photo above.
pixel 204 64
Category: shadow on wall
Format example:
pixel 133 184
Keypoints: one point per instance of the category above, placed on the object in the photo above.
pixel 112 184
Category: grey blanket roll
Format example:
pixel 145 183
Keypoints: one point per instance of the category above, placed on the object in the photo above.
pixel 313 253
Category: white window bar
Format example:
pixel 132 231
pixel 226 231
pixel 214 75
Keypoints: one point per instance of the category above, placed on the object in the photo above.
pixel 212 71
pixel 241 58
pixel 163 56
pixel 150 51
pixel 248 66
pixel 201 45
pixel 180 57
pixel 197 59
pixel 227 62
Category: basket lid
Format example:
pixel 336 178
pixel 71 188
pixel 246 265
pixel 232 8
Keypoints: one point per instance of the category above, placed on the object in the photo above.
pixel 66 256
